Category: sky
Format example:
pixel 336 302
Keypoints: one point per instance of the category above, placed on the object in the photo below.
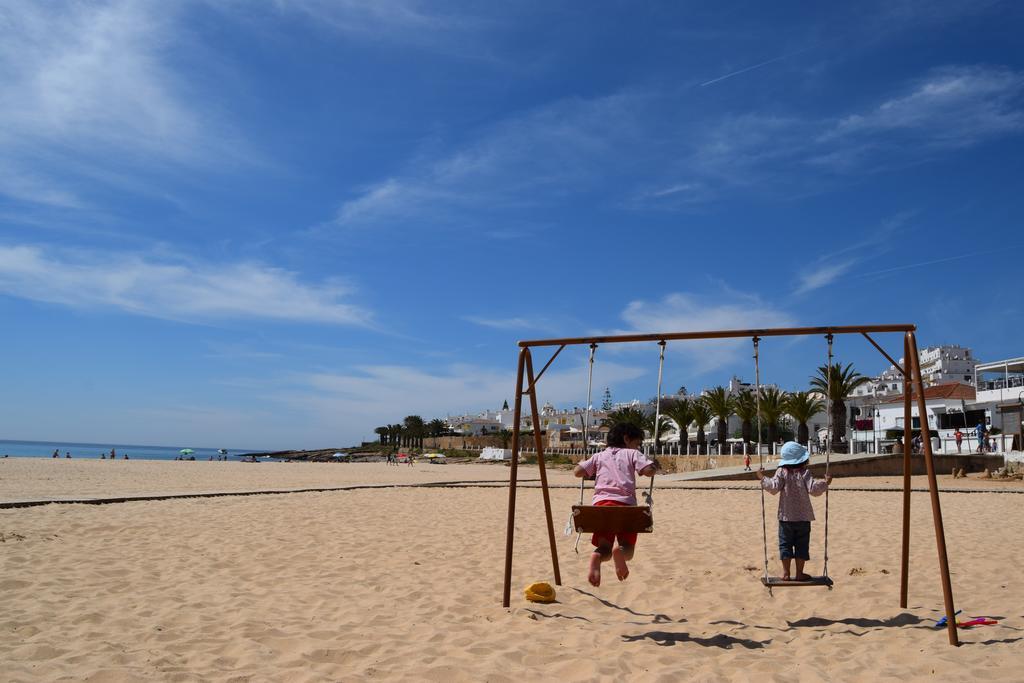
pixel 283 223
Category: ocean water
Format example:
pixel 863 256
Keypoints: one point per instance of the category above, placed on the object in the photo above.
pixel 44 449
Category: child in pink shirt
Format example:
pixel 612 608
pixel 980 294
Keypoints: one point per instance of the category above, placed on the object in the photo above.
pixel 614 472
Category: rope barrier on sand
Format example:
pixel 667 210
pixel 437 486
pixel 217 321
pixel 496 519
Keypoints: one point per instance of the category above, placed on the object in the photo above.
pixel 534 483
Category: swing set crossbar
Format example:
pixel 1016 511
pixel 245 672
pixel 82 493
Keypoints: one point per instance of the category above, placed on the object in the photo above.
pixel 913 389
pixel 718 334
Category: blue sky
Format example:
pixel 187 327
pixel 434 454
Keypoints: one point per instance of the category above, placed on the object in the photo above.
pixel 282 224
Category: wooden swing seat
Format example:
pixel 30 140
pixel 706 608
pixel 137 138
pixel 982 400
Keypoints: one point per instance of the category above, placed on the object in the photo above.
pixel 778 582
pixel 627 519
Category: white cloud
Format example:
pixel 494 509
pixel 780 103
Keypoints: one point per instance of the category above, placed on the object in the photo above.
pixel 172 289
pixel 375 395
pixel 535 157
pixel 89 92
pixel 507 323
pixel 952 106
pixel 822 275
pixel 375 19
pixel 685 312
pixel 574 146
pixel 830 267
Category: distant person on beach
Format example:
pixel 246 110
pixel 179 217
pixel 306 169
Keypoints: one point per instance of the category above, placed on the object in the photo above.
pixel 614 471
pixel 746 462
pixel 959 436
pixel 113 453
pixel 125 456
pixel 979 433
pixel 56 453
pixel 67 454
pixel 794 483
pixel 103 456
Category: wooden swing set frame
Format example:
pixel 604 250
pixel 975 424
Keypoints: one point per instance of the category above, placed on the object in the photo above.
pixel 526 384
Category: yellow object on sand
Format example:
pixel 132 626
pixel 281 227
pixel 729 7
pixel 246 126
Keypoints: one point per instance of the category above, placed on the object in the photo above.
pixel 540 592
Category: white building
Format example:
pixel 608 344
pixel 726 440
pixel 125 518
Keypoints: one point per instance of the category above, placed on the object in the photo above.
pixel 551 418
pixel 1001 386
pixel 939 365
pixel 948 407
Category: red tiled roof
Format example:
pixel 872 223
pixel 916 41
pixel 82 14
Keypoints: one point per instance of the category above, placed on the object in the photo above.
pixel 950 390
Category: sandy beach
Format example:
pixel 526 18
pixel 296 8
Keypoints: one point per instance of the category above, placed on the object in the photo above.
pixel 405 583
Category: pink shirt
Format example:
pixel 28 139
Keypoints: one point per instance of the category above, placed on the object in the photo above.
pixel 615 471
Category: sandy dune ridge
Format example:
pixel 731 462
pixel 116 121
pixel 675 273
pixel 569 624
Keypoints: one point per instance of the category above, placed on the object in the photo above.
pixel 406 584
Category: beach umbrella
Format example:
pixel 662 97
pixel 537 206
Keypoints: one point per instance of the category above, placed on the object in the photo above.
pixel 186 451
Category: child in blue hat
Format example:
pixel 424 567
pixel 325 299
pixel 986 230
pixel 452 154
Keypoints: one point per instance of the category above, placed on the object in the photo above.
pixel 794 483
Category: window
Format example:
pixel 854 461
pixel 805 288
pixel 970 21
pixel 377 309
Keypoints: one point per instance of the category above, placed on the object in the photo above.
pixel 962 420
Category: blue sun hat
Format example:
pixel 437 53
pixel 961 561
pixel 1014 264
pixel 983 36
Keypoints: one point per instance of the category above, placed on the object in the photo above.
pixel 793 454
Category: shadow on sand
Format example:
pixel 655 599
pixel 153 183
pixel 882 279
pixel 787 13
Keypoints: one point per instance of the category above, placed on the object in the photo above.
pixel 665 639
pixel 900 620
pixel 556 615
pixel 656 618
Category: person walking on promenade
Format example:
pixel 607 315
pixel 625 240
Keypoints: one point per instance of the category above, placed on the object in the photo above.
pixel 959 436
pixel 979 433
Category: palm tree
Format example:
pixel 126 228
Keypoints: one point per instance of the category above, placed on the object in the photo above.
pixel 382 433
pixel 415 426
pixel 773 405
pixel 505 435
pixel 680 411
pixel 437 428
pixel 395 434
pixel 628 414
pixel 722 406
pixel 745 407
pixel 656 430
pixel 701 416
pixel 637 417
pixel 802 406
pixel 844 382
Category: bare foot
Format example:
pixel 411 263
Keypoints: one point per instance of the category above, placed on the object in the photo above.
pixel 785 577
pixel 803 577
pixel 594 576
pixel 619 558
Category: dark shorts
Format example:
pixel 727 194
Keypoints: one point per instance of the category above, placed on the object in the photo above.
pixel 794 540
pixel 609 537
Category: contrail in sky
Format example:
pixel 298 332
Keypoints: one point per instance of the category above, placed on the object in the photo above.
pixel 929 263
pixel 751 68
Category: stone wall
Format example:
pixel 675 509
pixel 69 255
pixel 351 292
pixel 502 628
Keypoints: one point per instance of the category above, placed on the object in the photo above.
pixel 889 465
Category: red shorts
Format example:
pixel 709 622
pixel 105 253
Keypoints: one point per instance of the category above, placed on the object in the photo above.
pixel 610 537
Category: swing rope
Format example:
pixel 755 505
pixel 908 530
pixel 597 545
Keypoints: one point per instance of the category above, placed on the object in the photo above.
pixel 828 445
pixel 586 440
pixel 649 496
pixel 760 459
